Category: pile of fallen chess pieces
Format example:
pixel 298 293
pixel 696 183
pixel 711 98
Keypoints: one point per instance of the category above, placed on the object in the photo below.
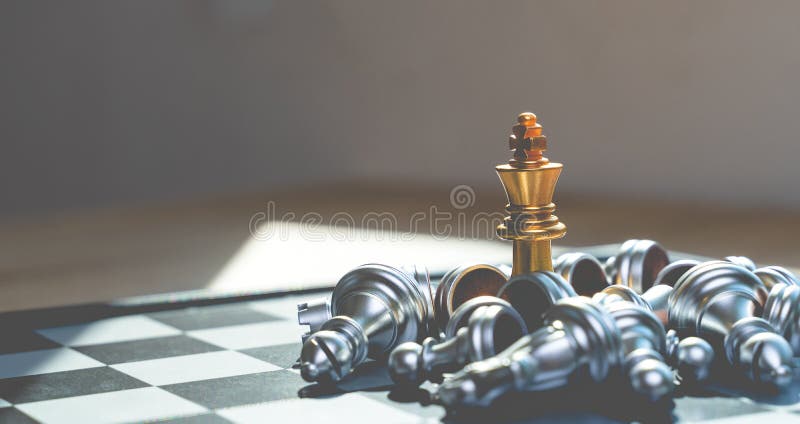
pixel 481 333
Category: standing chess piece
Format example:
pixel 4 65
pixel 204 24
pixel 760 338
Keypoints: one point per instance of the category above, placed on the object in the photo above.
pixel 691 357
pixel 480 328
pixel 534 293
pixel 582 271
pixel 579 336
pixel 656 299
pixel 670 274
pixel 529 180
pixel 637 264
pixel 463 283
pixel 375 307
pixel 782 311
pixel 643 346
pixel 719 301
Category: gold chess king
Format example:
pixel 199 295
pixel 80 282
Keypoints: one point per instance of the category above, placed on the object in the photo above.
pixel 529 180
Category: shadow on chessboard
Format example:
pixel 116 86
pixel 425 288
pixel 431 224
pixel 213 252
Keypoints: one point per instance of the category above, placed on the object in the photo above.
pixel 581 401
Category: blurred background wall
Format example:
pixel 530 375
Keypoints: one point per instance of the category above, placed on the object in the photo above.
pixel 105 103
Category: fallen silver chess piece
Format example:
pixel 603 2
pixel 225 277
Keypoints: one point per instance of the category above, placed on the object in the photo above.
pixel 656 299
pixel 643 347
pixel 691 356
pixel 582 271
pixel 375 308
pixel 782 311
pixel 670 274
pixel 579 334
pixel 478 329
pixel 774 275
pixel 637 264
pixel 719 301
pixel 534 293
pixel 463 283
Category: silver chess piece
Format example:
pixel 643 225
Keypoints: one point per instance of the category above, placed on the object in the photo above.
pixel 691 356
pixel 719 301
pixel 774 275
pixel 375 308
pixel 313 313
pixel 480 328
pixel 670 274
pixel 742 261
pixel 464 283
pixel 618 293
pixel 316 312
pixel 582 271
pixel 534 293
pixel 579 335
pixel 643 347
pixel 656 299
pixel 637 264
pixel 782 311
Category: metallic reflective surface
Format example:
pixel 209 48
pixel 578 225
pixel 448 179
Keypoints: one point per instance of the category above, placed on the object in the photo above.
pixel 719 301
pixel 643 344
pixel 579 335
pixel 617 293
pixel 670 274
pixel 534 293
pixel 490 329
pixel 657 297
pixel 313 313
pixel 582 271
pixel 462 315
pixel 655 300
pixel 772 275
pixel 782 311
pixel 694 357
pixel 637 264
pixel 742 261
pixel 529 180
pixel 463 283
pixel 375 307
pixel 691 357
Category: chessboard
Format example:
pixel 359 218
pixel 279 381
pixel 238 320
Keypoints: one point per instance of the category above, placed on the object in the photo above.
pixel 196 359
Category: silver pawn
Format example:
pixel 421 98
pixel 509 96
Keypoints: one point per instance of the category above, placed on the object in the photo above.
pixel 656 299
pixel 643 346
pixel 773 275
pixel 782 311
pixel 670 274
pixel 691 356
pixel 375 307
pixel 637 264
pixel 534 293
pixel 583 272
pixel 719 301
pixel 464 283
pixel 482 327
pixel 579 335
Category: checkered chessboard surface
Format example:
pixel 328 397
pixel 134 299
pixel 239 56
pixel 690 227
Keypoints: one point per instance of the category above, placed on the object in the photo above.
pixel 233 362
pixel 208 364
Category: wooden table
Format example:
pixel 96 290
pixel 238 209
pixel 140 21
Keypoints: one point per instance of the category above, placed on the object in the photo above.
pixel 105 254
